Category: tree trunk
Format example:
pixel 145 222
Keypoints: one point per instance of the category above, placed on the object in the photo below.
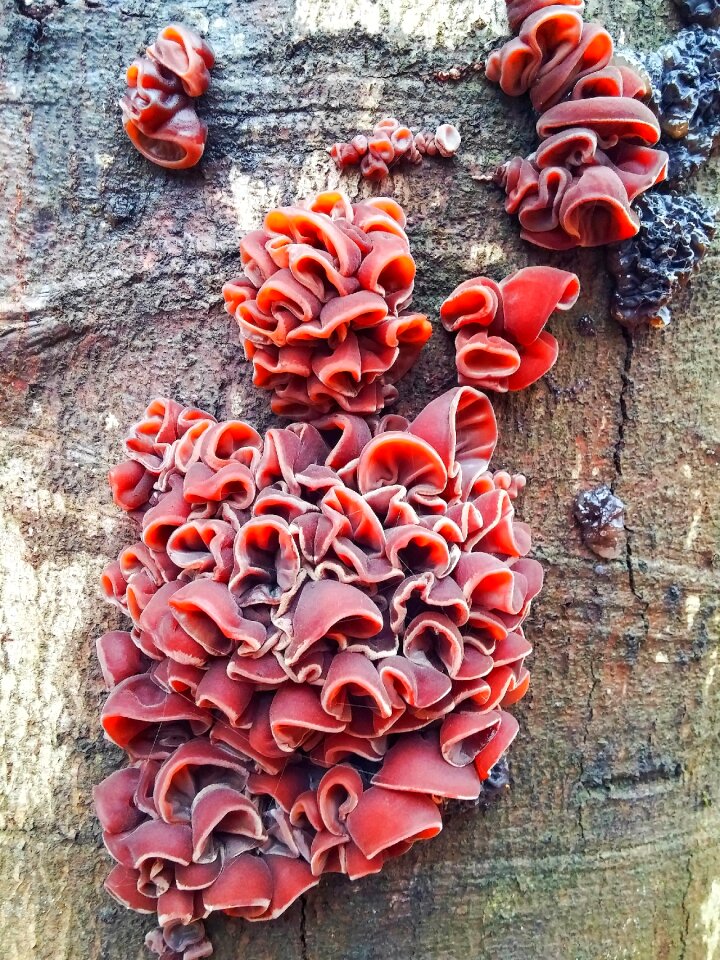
pixel 607 845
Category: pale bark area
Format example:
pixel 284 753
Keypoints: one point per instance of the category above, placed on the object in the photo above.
pixel 608 845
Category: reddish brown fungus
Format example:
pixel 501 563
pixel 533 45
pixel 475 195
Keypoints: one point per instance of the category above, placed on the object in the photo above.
pixel 326 633
pixel 322 305
pixel 158 114
pixel 391 142
pixel 596 153
pixel 501 342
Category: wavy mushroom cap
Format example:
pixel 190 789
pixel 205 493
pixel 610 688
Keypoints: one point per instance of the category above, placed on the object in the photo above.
pixel 501 343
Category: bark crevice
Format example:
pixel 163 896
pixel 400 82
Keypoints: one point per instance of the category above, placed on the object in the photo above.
pixel 685 930
pixel 623 403
pixel 624 420
pixel 303 929
pixel 589 717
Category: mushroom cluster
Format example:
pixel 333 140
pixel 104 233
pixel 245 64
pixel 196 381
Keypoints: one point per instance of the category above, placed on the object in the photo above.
pixel 326 631
pixel 158 114
pixel 596 153
pixel 391 142
pixel 322 305
pixel 501 339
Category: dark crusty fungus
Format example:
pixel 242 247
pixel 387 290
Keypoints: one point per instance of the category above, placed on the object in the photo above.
pixel 686 95
pixel 675 233
pixel 704 12
pixel 601 518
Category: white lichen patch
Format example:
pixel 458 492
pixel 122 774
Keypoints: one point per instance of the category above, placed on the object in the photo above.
pixel 316 174
pixel 252 198
pixel 692 605
pixel 104 160
pixel 439 24
pixel 577 470
pixel 24 495
pixel 484 254
pixel 43 605
pixel 710 675
pixel 693 529
pixel 710 920
pixel 226 38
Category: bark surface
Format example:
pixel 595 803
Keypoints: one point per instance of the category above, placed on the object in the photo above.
pixel 110 272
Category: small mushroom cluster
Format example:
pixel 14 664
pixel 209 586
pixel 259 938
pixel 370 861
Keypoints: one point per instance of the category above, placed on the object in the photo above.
pixel 158 114
pixel 501 339
pixel 322 305
pixel 389 143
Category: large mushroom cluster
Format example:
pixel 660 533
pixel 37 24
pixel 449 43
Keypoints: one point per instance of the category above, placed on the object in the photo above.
pixel 322 305
pixel 158 113
pixel 326 631
pixel 596 153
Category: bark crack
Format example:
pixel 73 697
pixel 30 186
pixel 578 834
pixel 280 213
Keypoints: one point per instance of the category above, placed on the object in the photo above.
pixel 595 680
pixel 303 929
pixel 627 384
pixel 685 929
pixel 623 421
pixel 36 38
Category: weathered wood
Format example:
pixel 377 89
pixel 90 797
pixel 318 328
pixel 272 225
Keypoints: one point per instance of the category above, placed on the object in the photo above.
pixel 608 845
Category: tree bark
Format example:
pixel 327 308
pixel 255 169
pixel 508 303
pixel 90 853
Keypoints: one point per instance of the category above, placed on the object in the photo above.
pixel 608 844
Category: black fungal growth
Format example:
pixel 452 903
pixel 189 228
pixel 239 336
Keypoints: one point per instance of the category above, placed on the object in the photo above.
pixel 495 787
pixel 586 326
pixel 601 518
pixel 685 78
pixel 704 12
pixel 675 232
pixel 497 783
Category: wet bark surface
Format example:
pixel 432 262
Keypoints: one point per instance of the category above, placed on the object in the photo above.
pixel 608 844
